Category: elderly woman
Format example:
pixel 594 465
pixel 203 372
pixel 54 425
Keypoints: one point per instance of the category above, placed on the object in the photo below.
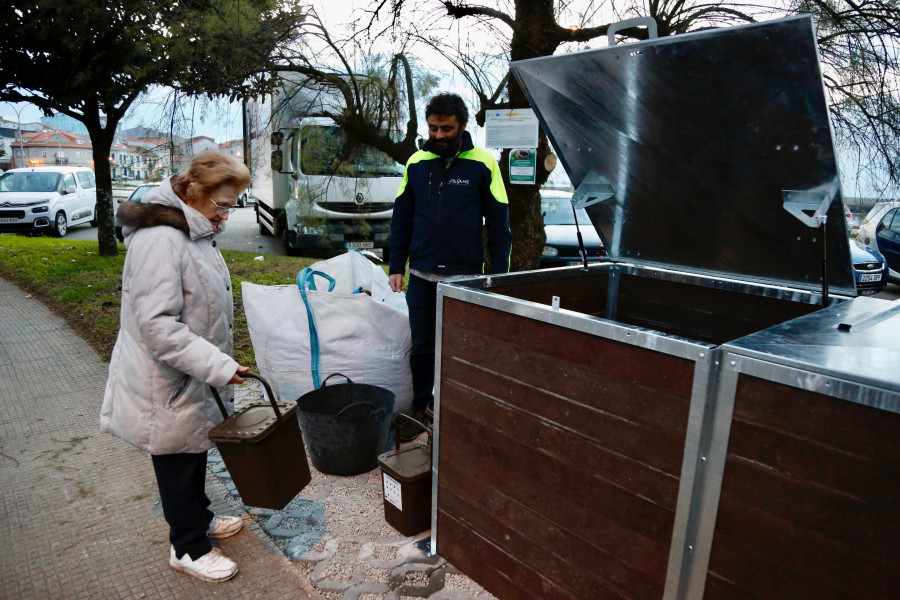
pixel 175 340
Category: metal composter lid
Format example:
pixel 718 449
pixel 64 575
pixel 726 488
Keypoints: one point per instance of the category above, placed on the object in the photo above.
pixel 708 152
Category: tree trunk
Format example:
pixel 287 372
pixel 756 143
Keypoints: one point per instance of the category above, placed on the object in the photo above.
pixel 101 139
pixel 532 38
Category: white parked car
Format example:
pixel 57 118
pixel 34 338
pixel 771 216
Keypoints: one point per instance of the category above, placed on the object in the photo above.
pixel 47 199
pixel 866 233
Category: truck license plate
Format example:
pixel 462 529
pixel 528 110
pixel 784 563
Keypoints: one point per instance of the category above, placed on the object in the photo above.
pixel 352 245
pixel 868 278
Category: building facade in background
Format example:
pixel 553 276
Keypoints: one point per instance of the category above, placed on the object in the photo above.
pixel 138 154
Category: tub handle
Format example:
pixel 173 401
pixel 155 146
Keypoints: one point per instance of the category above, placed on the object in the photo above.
pixel 357 410
pixel 415 422
pixel 269 394
pixel 338 375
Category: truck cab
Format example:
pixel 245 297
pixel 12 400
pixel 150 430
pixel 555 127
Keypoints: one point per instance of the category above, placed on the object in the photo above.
pixel 316 190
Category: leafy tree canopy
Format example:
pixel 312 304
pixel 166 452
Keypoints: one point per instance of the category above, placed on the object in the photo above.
pixel 91 60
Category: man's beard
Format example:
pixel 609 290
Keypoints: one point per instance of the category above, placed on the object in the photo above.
pixel 448 146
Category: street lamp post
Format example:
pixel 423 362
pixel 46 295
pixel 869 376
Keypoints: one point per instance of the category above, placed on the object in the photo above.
pixel 19 131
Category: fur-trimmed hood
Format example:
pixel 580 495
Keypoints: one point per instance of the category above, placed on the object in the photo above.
pixel 162 206
pixel 137 215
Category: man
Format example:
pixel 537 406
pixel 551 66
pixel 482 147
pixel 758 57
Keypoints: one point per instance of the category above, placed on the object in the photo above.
pixel 451 192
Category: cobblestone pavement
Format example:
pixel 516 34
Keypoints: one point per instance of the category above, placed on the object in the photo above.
pixel 335 530
pixel 80 514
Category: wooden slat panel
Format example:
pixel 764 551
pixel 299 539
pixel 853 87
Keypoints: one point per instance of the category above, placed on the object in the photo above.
pixel 653 370
pixel 719 589
pixel 810 481
pixel 615 451
pixel 780 553
pixel 577 580
pixel 636 530
pixel 565 391
pixel 499 573
pixel 576 439
pixel 547 547
pixel 583 293
pixel 700 313
pixel 845 471
pixel 844 424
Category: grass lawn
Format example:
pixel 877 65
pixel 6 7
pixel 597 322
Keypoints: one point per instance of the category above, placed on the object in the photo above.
pixel 82 287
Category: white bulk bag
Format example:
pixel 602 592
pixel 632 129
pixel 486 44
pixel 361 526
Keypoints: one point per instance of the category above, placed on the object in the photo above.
pixel 360 328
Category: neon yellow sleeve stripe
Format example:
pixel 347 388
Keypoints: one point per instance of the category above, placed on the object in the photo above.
pixel 420 155
pixel 497 187
pixel 487 159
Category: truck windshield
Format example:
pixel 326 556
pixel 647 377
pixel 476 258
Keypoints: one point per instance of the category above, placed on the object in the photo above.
pixel 29 182
pixel 323 151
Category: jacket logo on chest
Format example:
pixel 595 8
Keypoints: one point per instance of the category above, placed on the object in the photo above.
pixel 458 182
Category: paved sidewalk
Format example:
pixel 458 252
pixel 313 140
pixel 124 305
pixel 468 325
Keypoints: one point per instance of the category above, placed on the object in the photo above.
pixel 79 511
pixel 80 514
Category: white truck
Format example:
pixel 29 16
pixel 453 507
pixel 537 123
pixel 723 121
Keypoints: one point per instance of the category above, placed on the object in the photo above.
pixel 312 188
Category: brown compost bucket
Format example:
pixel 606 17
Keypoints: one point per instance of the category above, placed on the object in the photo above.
pixel 406 483
pixel 262 448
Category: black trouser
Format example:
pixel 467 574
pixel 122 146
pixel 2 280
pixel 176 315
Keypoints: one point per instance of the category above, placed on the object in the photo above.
pixel 182 491
pixel 421 298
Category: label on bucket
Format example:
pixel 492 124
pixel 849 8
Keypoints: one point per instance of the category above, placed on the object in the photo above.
pixel 392 491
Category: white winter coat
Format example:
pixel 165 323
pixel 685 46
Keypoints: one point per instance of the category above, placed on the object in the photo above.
pixel 175 330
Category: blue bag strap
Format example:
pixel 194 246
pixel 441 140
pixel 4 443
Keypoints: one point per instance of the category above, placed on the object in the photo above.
pixel 306 281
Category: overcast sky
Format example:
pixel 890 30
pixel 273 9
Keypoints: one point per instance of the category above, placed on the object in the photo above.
pixel 222 121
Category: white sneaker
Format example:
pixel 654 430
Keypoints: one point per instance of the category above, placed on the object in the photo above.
pixel 223 527
pixel 212 566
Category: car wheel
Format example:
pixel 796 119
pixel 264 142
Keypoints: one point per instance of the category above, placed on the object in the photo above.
pixel 386 255
pixel 60 225
pixel 94 221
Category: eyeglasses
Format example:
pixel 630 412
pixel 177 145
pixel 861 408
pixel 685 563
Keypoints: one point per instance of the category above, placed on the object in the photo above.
pixel 223 209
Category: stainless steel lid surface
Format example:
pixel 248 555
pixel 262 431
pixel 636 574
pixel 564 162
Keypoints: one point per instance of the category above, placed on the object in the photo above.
pixel 690 148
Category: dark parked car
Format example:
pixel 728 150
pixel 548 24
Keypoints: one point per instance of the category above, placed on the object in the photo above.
pixel 887 237
pixel 561 248
pixel 136 195
pixel 870 269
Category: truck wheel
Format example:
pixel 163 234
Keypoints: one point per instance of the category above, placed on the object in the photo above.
pixel 287 249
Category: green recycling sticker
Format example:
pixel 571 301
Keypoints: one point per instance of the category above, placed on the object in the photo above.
pixel 522 163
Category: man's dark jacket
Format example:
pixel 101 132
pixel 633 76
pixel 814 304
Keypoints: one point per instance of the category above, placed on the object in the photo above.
pixel 441 210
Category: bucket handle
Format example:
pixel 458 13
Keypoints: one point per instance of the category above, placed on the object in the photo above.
pixel 265 383
pixel 415 422
pixel 354 411
pixel 332 375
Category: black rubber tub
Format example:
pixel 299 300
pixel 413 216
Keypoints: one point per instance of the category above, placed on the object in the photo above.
pixel 346 425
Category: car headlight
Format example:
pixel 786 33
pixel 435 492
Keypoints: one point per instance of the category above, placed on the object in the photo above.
pixel 40 209
pixel 550 251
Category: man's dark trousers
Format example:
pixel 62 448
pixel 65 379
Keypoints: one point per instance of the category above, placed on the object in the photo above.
pixel 182 492
pixel 421 298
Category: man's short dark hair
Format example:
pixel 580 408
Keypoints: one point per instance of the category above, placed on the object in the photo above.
pixel 448 105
